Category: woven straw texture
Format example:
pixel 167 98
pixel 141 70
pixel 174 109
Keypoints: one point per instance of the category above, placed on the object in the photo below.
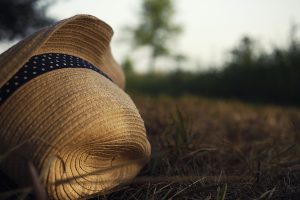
pixel 82 132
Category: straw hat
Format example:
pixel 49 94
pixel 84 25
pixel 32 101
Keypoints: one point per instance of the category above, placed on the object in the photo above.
pixel 76 125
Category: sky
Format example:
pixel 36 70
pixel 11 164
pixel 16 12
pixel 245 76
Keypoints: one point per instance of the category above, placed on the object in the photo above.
pixel 211 27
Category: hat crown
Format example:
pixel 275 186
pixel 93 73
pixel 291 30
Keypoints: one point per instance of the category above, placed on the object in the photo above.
pixel 84 36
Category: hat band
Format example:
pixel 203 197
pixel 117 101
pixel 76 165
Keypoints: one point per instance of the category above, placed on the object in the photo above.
pixel 43 63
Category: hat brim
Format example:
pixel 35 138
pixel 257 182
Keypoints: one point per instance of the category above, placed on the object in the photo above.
pixel 83 134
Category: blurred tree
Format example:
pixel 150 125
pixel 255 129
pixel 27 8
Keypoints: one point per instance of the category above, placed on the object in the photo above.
pixel 294 40
pixel 18 18
pixel 244 53
pixel 156 28
pixel 127 65
pixel 179 59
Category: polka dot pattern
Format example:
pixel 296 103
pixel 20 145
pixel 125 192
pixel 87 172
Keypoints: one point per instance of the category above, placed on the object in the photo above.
pixel 41 64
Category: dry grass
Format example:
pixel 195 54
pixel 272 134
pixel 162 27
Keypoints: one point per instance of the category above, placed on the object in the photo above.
pixel 210 149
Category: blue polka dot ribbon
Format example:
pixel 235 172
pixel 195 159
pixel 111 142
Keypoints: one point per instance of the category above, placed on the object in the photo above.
pixel 41 64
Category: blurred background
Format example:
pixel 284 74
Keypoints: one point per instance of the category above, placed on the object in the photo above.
pixel 240 49
pixel 204 75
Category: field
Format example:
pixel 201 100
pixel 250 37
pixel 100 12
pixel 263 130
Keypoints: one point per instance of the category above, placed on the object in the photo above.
pixel 213 149
pixel 216 149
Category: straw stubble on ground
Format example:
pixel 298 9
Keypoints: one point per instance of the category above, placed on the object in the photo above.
pixel 210 149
